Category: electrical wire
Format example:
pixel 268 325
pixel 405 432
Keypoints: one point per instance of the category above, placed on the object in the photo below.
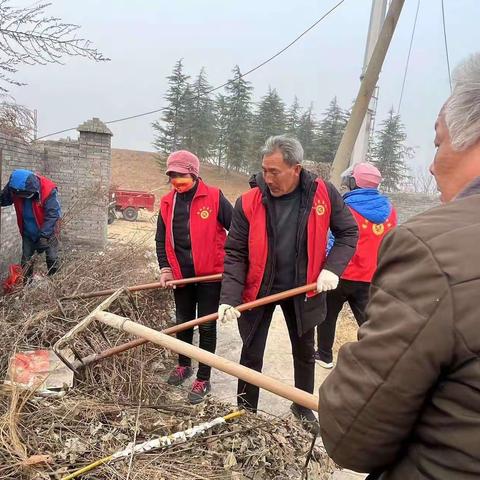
pixel 446 46
pixel 408 58
pixel 260 65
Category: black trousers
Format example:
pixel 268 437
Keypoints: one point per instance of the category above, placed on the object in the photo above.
pixel 29 247
pixel 356 294
pixel 201 298
pixel 303 349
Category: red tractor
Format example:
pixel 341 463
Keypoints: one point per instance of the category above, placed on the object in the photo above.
pixel 129 202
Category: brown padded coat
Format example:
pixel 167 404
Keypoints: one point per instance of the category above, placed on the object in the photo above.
pixel 405 399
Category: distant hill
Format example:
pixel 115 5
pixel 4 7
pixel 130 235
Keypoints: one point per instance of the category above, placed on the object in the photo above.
pixel 138 170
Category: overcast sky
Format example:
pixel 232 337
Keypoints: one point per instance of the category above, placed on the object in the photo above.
pixel 144 38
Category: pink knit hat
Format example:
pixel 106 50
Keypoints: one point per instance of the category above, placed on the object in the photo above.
pixel 183 161
pixel 366 175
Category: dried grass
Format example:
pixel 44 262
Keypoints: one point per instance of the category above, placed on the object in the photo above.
pixel 124 397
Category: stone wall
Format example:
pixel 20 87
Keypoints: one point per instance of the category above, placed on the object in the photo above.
pixel 81 169
pixel 410 204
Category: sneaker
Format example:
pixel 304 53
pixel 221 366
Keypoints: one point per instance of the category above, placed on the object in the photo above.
pixel 200 389
pixel 323 363
pixel 179 374
pixel 306 417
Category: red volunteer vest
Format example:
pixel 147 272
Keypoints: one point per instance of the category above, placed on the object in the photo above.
pixel 207 235
pixel 317 233
pixel 363 264
pixel 46 188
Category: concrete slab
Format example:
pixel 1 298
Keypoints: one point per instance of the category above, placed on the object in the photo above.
pixel 347 475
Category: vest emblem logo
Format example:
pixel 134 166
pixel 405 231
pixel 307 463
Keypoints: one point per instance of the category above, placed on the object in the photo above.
pixel 204 213
pixel 378 229
pixel 320 209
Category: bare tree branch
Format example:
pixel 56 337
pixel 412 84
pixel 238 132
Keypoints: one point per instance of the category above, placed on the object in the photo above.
pixel 28 37
pixel 17 120
pixel 422 181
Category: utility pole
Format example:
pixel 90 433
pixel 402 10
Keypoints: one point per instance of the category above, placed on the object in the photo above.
pixel 367 87
pixel 377 17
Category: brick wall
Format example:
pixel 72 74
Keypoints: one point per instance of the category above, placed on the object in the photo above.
pixel 15 153
pixel 81 169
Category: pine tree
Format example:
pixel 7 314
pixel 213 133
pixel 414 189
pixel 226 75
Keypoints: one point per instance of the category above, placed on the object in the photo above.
pixel 293 118
pixel 170 130
pixel 186 127
pixel 238 100
pixel 331 129
pixel 306 133
pixel 390 153
pixel 200 121
pixel 269 120
pixel 221 129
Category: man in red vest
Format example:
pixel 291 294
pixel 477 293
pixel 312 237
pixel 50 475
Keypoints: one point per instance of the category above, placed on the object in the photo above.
pixel 278 241
pixel 38 213
pixel 375 217
pixel 191 233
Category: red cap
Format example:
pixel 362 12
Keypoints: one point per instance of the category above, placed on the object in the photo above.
pixel 366 175
pixel 183 161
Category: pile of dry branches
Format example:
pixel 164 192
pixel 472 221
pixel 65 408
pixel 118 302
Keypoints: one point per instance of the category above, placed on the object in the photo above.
pixel 124 399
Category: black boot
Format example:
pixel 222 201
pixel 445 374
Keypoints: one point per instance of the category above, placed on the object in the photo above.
pixel 306 417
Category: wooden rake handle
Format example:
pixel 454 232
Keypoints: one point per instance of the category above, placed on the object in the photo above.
pixel 277 297
pixel 147 286
pixel 251 376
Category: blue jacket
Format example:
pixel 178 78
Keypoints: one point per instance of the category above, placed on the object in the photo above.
pixel 27 181
pixel 369 203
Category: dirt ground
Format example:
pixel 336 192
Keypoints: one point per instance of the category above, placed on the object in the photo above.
pixel 278 359
pixel 136 170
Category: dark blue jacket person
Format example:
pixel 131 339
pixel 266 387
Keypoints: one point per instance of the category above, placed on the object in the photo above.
pixel 38 213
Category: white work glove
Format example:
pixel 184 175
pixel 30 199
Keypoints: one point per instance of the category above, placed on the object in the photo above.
pixel 327 280
pixel 227 313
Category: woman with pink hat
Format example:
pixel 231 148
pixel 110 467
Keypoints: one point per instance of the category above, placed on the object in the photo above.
pixel 190 238
pixel 375 217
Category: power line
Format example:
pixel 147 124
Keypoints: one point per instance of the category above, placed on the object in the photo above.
pixel 408 58
pixel 283 49
pixel 446 46
pixel 260 65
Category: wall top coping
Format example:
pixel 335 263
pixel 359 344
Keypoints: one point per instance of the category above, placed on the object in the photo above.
pixel 94 125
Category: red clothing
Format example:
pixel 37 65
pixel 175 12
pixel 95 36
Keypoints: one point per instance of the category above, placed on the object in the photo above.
pixel 46 188
pixel 317 234
pixel 207 235
pixel 363 264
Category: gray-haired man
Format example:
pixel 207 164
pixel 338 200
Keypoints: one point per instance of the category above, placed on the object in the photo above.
pixel 277 241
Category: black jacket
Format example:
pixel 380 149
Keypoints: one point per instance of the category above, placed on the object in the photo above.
pixel 309 312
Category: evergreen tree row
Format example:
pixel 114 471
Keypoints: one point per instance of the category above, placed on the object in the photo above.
pixel 229 129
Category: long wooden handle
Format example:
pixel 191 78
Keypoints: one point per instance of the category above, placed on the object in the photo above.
pixel 251 376
pixel 147 286
pixel 277 297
